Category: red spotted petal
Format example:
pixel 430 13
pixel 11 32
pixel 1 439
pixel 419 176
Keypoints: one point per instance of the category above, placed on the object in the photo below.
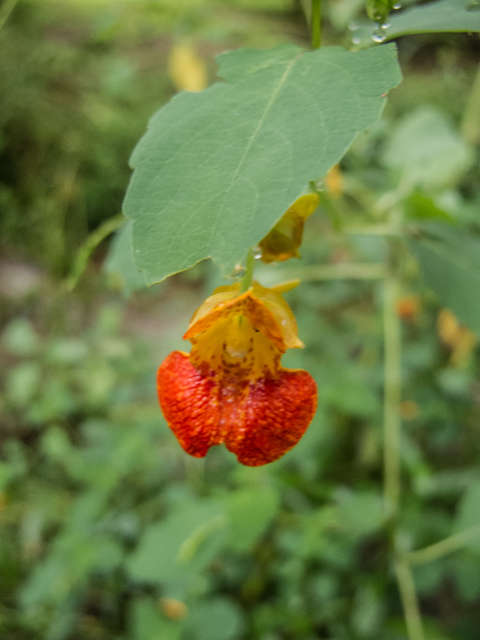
pixel 189 402
pixel 276 414
pixel 259 421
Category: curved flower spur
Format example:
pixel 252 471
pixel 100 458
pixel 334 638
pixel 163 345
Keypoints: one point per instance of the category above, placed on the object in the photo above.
pixel 232 388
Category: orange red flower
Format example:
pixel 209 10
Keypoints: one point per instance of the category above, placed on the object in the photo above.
pixel 232 388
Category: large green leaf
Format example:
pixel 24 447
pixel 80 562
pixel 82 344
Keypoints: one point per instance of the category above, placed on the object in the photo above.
pixel 433 17
pixel 450 262
pixel 217 169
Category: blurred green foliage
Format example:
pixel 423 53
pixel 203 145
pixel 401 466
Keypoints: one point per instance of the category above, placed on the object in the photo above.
pixel 108 530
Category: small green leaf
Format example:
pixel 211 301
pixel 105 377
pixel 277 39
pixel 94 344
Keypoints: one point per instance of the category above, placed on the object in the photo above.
pixel 378 10
pixel 218 618
pixel 466 571
pixel 169 550
pixel 445 16
pixel 360 512
pixel 468 514
pixel 427 150
pixel 217 169
pixel 20 338
pixel 449 261
pixel 148 624
pixel 23 383
pixel 120 261
pixel 420 207
pixel 251 511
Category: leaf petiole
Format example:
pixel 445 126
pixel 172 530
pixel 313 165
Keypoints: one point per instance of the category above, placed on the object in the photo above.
pixel 316 24
pixel 246 282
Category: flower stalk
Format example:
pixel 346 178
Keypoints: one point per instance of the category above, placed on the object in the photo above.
pixel 316 24
pixel 247 279
pixel 392 443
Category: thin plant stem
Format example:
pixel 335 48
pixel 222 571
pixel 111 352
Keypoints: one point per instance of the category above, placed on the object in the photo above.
pixel 409 599
pixel 316 24
pixel 5 11
pixel 392 336
pixel 392 431
pixel 470 126
pixel 444 547
pixel 246 282
pixel 87 248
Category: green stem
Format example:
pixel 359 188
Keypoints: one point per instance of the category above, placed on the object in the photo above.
pixel 409 599
pixel 442 548
pixel 248 275
pixel 392 424
pixel 5 11
pixel 87 248
pixel 470 126
pixel 391 328
pixel 316 24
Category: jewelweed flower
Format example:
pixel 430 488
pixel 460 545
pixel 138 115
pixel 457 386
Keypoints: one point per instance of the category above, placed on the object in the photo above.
pixel 232 388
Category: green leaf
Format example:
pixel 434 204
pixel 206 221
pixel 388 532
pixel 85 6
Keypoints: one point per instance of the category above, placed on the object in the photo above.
pixel 217 169
pixel 218 618
pixel 120 261
pixel 420 207
pixel 427 150
pixel 449 261
pixel 469 513
pixel 20 339
pixel 434 17
pixel 251 511
pixel 466 571
pixel 378 10
pixel 148 624
pixel 23 383
pixel 170 550
pixel 360 512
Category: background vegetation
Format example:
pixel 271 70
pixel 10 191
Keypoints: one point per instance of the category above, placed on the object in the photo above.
pixel 107 529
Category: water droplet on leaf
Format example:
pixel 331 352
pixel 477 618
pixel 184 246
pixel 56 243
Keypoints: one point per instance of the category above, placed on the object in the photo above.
pixel 238 272
pixel 378 36
pixel 257 253
pixel 356 40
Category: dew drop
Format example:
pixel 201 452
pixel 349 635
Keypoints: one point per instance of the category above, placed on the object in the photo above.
pixel 238 272
pixel 397 5
pixel 378 36
pixel 385 25
pixel 356 40
pixel 353 26
pixel 257 253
